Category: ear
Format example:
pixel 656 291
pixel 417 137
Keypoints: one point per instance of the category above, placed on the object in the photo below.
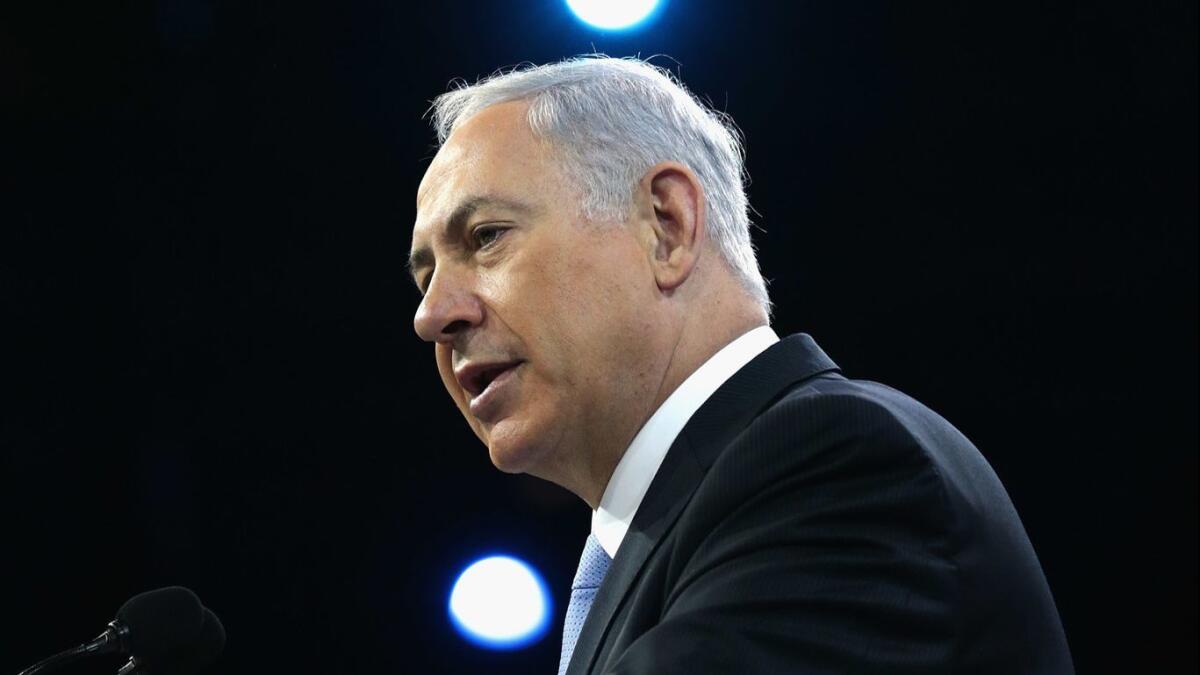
pixel 675 213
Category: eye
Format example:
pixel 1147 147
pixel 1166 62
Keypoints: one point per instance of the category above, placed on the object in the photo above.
pixel 485 236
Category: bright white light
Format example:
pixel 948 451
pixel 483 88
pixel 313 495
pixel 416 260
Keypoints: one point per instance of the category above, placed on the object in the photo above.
pixel 612 14
pixel 500 603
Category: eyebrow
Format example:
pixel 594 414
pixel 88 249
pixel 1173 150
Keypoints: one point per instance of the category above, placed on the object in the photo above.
pixel 457 222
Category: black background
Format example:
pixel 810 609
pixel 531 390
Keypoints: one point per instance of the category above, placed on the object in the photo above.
pixel 211 377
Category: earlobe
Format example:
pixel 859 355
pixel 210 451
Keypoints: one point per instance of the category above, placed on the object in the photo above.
pixel 678 222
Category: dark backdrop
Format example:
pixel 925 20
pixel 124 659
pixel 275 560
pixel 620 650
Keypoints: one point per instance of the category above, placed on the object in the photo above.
pixel 211 379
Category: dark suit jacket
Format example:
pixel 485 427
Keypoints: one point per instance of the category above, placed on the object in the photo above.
pixel 807 523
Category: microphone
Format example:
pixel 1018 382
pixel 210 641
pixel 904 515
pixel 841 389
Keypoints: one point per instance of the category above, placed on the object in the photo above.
pixel 189 659
pixel 150 624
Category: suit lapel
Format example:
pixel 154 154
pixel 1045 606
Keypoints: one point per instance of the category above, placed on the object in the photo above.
pixel 724 415
pixel 677 478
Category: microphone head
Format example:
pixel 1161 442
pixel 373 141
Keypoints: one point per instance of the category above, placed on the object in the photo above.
pixel 192 658
pixel 161 620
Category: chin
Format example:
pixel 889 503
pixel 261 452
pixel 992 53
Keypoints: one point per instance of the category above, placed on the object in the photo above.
pixel 511 449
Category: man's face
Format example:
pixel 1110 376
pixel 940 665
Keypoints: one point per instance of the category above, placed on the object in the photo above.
pixel 544 326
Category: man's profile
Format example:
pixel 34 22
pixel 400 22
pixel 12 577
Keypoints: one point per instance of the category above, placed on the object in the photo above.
pixel 582 245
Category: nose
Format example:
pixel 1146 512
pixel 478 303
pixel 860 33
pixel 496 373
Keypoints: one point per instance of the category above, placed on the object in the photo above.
pixel 448 308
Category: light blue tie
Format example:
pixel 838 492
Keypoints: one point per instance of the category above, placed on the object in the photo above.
pixel 593 565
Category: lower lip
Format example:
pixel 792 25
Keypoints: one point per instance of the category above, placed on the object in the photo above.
pixel 486 403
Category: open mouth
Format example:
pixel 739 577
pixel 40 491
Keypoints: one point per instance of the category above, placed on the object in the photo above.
pixel 475 379
pixel 489 388
pixel 487 376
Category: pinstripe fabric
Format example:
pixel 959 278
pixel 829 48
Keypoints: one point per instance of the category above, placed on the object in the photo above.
pixel 805 523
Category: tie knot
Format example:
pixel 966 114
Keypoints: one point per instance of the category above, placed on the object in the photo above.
pixel 593 565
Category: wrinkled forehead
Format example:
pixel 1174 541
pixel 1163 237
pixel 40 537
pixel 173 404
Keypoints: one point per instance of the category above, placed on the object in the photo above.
pixel 455 177
pixel 492 153
pixel 472 153
pixel 451 167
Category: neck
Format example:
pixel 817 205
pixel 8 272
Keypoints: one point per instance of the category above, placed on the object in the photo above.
pixel 689 355
pixel 696 341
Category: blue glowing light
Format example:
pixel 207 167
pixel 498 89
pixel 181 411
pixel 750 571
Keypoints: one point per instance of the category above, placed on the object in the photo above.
pixel 612 14
pixel 499 602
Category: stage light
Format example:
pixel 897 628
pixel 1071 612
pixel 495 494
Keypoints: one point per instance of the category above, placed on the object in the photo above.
pixel 499 602
pixel 612 14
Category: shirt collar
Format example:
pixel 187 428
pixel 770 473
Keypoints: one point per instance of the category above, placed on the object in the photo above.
pixel 645 454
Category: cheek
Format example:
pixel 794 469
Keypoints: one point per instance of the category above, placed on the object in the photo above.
pixel 569 301
pixel 596 307
pixel 526 300
pixel 600 286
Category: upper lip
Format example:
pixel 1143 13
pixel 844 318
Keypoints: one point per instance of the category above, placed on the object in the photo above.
pixel 474 377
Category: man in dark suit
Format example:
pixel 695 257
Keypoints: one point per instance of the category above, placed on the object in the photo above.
pixel 598 316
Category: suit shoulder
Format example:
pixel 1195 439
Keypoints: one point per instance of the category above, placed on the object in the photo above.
pixel 834 426
pixel 834 441
pixel 830 414
pixel 864 406
pixel 833 412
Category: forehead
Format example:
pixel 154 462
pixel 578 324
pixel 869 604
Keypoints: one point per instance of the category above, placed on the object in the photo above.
pixel 493 153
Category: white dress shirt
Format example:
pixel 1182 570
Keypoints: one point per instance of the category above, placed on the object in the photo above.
pixel 645 454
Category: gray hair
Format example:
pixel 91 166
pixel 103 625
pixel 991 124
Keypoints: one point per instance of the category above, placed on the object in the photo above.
pixel 611 120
